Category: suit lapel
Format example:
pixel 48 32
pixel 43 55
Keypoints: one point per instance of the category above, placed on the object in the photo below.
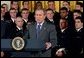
pixel 34 30
pixel 44 27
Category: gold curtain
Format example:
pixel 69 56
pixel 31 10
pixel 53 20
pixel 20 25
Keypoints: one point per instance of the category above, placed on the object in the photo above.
pixel 58 5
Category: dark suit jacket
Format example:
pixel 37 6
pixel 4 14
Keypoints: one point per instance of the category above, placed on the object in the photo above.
pixel 47 34
pixel 11 26
pixel 77 41
pixel 5 30
pixel 64 39
pixel 17 33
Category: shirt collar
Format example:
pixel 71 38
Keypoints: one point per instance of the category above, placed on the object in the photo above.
pixel 19 28
pixel 25 20
pixel 62 30
pixel 13 19
pixel 40 24
pixel 79 29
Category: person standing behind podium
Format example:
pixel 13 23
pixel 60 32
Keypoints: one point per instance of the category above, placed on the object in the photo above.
pixel 47 33
pixel 18 30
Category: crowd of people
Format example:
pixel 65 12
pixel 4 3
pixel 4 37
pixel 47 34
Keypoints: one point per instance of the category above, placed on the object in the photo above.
pixel 61 31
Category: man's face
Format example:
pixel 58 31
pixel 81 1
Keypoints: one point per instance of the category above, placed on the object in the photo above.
pixel 13 13
pixel 78 7
pixel 6 8
pixel 49 14
pixel 15 5
pixel 19 22
pixel 26 5
pixel 78 24
pixel 63 13
pixel 51 5
pixel 62 24
pixel 39 6
pixel 65 4
pixel 2 12
pixel 25 14
pixel 39 16
pixel 76 15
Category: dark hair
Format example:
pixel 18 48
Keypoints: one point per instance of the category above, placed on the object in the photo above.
pixel 13 1
pixel 77 11
pixel 24 1
pixel 24 9
pixel 64 19
pixel 12 9
pixel 51 1
pixel 64 8
pixel 79 3
pixel 67 2
pixel 49 10
pixel 80 18
pixel 2 7
pixel 38 2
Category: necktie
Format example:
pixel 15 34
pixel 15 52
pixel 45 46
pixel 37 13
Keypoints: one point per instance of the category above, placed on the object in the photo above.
pixel 38 31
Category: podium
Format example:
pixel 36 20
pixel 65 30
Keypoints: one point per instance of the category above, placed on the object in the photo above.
pixel 30 45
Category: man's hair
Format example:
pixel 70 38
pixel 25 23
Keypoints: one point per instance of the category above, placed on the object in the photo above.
pixel 64 8
pixel 24 2
pixel 77 11
pixel 79 3
pixel 38 2
pixel 67 2
pixel 2 7
pixel 41 9
pixel 13 1
pixel 49 10
pixel 79 18
pixel 24 9
pixel 51 1
pixel 64 19
pixel 12 9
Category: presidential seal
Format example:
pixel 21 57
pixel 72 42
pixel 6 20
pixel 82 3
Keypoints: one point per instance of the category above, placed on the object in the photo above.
pixel 18 43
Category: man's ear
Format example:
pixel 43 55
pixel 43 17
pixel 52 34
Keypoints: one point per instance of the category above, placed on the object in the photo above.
pixel 82 23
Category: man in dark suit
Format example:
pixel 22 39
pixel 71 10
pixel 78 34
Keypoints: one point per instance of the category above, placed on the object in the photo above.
pixel 77 38
pixel 67 5
pixel 44 31
pixel 25 16
pixel 50 18
pixel 4 29
pixel 11 20
pixel 18 30
pixel 51 5
pixel 5 34
pixel 63 38
pixel 65 14
pixel 25 5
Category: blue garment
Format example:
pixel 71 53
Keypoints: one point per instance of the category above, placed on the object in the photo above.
pixel 38 30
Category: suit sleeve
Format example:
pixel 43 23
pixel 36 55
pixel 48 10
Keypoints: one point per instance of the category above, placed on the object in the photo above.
pixel 53 36
pixel 26 35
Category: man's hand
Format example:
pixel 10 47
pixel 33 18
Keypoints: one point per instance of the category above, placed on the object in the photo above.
pixel 48 45
pixel 60 53
pixel 2 53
